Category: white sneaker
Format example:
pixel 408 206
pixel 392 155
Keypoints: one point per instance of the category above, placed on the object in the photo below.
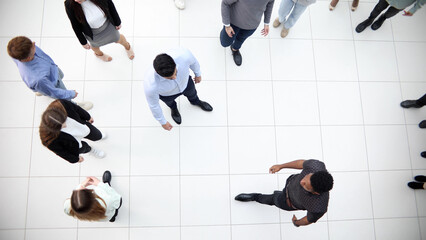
pixel 97 153
pixel 104 135
pixel 85 105
pixel 38 94
pixel 180 4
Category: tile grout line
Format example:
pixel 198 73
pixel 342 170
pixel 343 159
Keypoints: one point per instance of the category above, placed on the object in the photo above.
pixel 179 143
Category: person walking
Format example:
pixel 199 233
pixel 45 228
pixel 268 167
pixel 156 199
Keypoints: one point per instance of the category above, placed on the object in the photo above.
pixel 416 104
pixel 63 126
pixel 98 22
pixel 93 200
pixel 289 13
pixel 419 183
pixel 240 20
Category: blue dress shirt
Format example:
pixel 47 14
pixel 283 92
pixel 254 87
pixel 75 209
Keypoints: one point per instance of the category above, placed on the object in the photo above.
pixel 155 85
pixel 41 75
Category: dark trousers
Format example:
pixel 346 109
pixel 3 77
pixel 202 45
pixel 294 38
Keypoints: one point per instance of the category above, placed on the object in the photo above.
pixel 421 101
pixel 94 135
pixel 237 39
pixel 190 92
pixel 382 5
pixel 277 199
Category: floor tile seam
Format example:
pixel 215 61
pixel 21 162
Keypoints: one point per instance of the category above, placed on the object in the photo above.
pixel 354 44
pixel 180 140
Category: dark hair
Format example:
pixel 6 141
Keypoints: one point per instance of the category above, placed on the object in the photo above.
pixel 19 47
pixel 78 10
pixel 322 181
pixel 51 122
pixel 85 206
pixel 164 65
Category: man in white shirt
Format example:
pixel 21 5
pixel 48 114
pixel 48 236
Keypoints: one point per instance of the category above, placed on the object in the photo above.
pixel 168 80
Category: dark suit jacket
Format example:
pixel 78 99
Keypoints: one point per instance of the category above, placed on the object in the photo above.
pixel 65 145
pixel 80 28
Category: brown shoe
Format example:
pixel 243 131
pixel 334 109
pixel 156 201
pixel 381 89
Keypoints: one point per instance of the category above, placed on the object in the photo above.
pixel 354 5
pixel 276 23
pixel 333 4
pixel 284 32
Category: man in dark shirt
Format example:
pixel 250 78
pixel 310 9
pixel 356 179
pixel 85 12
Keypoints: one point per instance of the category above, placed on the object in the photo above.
pixel 308 190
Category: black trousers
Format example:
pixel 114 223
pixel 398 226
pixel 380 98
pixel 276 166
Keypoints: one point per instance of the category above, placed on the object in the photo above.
pixel 190 92
pixel 382 5
pixel 94 135
pixel 421 101
pixel 277 199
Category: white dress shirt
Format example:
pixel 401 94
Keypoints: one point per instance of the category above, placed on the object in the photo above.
pixel 95 17
pixel 155 85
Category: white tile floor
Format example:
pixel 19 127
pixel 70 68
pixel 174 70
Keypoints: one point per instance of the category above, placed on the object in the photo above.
pixel 325 92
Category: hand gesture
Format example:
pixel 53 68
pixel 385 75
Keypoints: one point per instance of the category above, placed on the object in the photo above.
pixel 91 120
pixel 167 126
pixel 86 46
pixel 265 30
pixel 76 93
pixel 93 181
pixel 197 79
pixel 230 31
pixel 407 14
pixel 274 169
pixel 294 219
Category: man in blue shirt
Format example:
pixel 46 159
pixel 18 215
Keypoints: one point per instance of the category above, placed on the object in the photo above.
pixel 168 80
pixel 39 72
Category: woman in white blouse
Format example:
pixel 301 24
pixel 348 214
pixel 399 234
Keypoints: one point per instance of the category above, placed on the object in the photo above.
pixel 93 200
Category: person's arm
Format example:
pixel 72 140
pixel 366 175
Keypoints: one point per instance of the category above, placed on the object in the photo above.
pixel 45 86
pixel 153 102
pixel 226 11
pixel 301 222
pixel 194 64
pixel 417 5
pixel 268 12
pixel 296 164
pixel 114 14
pixel 76 26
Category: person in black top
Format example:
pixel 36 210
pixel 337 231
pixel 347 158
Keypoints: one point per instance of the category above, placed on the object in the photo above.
pixel 308 190
pixel 62 128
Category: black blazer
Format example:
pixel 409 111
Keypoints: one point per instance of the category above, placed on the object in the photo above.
pixel 65 145
pixel 80 28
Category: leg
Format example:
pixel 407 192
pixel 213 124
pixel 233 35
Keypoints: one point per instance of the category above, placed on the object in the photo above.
pixel 265 199
pixel 225 40
pixel 333 4
pixel 101 55
pixel 421 101
pixel 94 134
pixel 170 100
pixel 284 10
pixel 389 13
pixel 294 15
pixel 85 148
pixel 191 93
pixel 240 37
pixel 123 41
pixel 381 5
pixel 414 103
pixel 60 84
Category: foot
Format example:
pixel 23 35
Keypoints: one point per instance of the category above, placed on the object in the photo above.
pixel 284 32
pixel 104 135
pixel 410 104
pixel 378 23
pixel 205 106
pixel 422 124
pixel 362 26
pixel 246 197
pixel 85 105
pixel 354 5
pixel 104 57
pixel 38 94
pixel 333 4
pixel 106 178
pixel 238 59
pixel 276 22
pixel 180 4
pixel 130 52
pixel 97 153
pixel 420 178
pixel 176 116
pixel 416 185
pixel 423 154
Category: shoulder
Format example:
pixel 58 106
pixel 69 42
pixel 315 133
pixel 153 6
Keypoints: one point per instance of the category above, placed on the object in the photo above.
pixel 314 165
pixel 149 81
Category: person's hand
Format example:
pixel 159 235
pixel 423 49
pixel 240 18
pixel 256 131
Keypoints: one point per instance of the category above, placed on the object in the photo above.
pixel 86 182
pixel 274 169
pixel 93 181
pixel 407 14
pixel 80 159
pixel 167 126
pixel 265 30
pixel 118 27
pixel 197 79
pixel 230 31
pixel 91 120
pixel 294 219
pixel 86 46
pixel 76 93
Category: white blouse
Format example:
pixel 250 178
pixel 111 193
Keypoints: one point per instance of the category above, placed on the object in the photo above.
pixel 76 129
pixel 94 15
pixel 107 193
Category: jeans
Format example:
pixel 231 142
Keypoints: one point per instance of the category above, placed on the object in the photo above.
pixel 277 198
pixel 382 5
pixel 60 84
pixel 287 16
pixel 190 92
pixel 237 39
pixel 94 135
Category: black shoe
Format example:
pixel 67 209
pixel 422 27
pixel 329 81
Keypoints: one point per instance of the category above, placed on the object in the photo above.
pixel 410 104
pixel 364 25
pixel 246 197
pixel 205 106
pixel 378 23
pixel 116 211
pixel 176 116
pixel 106 178
pixel 423 154
pixel 422 124
pixel 415 185
pixel 238 59
pixel 420 178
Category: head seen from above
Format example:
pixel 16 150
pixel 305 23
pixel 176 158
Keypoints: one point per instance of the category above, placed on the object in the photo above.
pixel 21 48
pixel 85 206
pixel 165 66
pixel 318 182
